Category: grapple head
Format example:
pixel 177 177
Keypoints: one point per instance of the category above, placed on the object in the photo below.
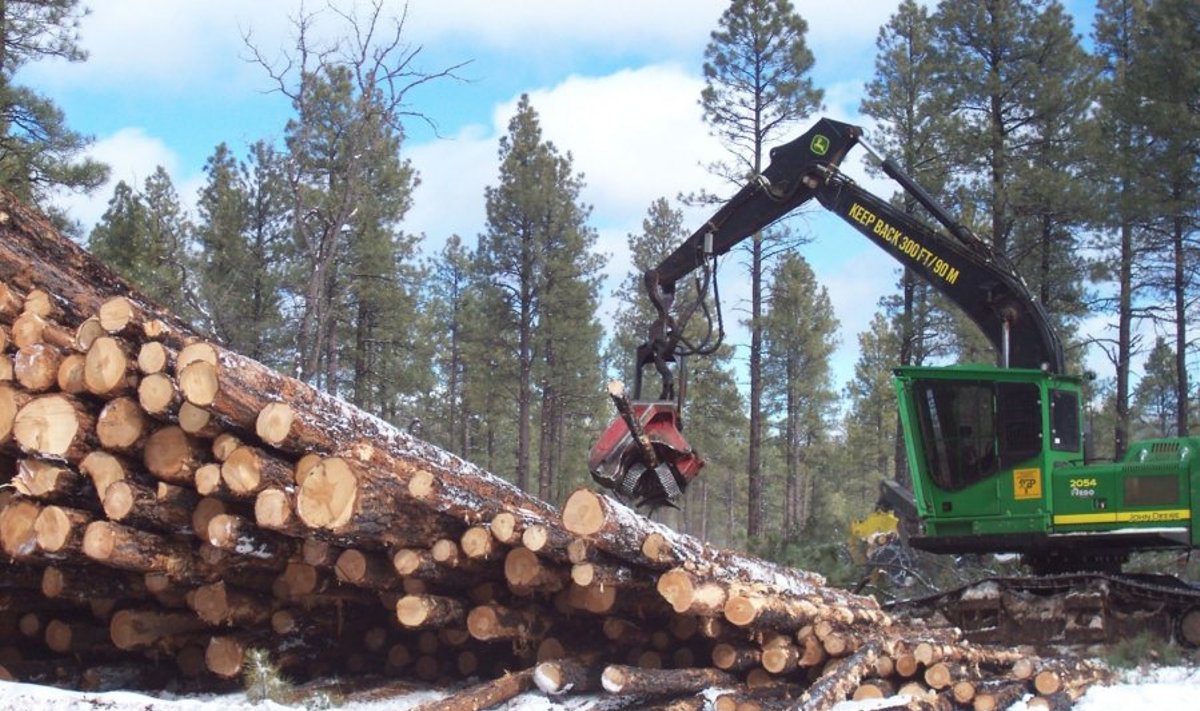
pixel 618 461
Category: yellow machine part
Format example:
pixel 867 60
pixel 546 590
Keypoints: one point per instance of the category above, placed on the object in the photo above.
pixel 877 528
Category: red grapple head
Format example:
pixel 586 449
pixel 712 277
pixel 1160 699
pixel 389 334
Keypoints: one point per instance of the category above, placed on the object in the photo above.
pixel 617 462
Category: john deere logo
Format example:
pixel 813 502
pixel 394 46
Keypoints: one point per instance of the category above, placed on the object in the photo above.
pixel 820 145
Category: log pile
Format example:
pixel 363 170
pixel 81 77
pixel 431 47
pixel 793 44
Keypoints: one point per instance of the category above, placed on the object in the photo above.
pixel 175 509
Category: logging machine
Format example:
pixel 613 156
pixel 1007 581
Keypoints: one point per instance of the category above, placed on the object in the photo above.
pixel 996 451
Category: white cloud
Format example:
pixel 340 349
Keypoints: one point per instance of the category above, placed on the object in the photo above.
pixel 132 156
pixel 635 135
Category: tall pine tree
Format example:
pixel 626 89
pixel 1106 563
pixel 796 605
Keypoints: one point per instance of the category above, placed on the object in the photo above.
pixel 756 73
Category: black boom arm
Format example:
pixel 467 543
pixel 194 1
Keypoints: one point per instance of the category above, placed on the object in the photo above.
pixel 959 264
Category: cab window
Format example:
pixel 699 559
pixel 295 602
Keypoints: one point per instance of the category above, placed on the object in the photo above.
pixel 972 429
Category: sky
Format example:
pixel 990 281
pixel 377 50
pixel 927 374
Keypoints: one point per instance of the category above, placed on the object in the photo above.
pixel 616 84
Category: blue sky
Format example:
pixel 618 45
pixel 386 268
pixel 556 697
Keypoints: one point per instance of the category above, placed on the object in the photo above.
pixel 615 83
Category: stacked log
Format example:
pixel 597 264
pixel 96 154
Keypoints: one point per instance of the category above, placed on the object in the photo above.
pixel 173 500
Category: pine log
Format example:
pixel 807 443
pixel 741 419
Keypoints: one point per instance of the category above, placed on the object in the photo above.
pixel 484 695
pixel 730 657
pixel 493 622
pixel 131 549
pixel 161 507
pixel 6 368
pixel 689 594
pixel 12 399
pixel 275 510
pixel 621 679
pixel 81 583
pixel 30 328
pixel 224 445
pixel 248 470
pixel 320 554
pixel 41 302
pixel 195 352
pixel 874 689
pixel 35 367
pixel 197 422
pixel 963 691
pixel 122 426
pixel 173 455
pixel 417 563
pixel 421 611
pixel 941 675
pixel 109 370
pixel 206 510
pixel 12 302
pixel 57 427
pixel 525 572
pixel 18 536
pixel 479 544
pixel 144 628
pixel 346 497
pixel 76 637
pixel 575 675
pixel 86 334
pixel 70 374
pixel 998 695
pixel 367 570
pixel 506 529
pixel 585 574
pixel 60 530
pixel 208 481
pixel 49 481
pixel 781 659
pixel 158 395
pixel 239 535
pixel 219 604
pixel 154 357
pixel 547 541
pixel 103 469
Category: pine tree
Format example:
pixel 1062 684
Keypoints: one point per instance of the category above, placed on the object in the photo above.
pixel 756 84
pixel 241 239
pixel 1156 396
pixel 349 99
pixel 662 232
pixel 448 291
pixel 117 239
pixel 166 245
pixel 800 335
pixel 1051 197
pixel 903 97
pixel 1169 75
pixel 870 429
pixel 143 237
pixel 536 252
pixel 38 152
pixel 1119 149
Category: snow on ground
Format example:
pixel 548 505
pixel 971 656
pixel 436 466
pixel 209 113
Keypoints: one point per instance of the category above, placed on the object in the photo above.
pixel 1163 689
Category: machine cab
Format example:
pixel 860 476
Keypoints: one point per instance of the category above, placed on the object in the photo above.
pixel 982 442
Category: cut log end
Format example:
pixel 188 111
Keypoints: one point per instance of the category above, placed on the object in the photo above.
pixel 326 499
pixel 274 422
pixel 200 382
pixel 224 657
pixel 583 514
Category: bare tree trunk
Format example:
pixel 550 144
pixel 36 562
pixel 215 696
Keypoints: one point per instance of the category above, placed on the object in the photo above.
pixel 1124 340
pixel 754 524
pixel 1181 341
